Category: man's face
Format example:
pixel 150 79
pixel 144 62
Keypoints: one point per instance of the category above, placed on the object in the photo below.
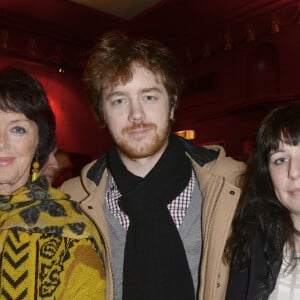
pixel 137 114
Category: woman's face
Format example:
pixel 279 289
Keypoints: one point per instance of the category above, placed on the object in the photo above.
pixel 18 142
pixel 284 167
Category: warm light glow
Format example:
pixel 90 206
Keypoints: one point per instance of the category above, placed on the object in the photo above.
pixel 250 33
pixel 189 134
pixel 274 24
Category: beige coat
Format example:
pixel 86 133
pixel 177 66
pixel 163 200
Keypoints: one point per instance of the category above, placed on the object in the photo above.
pixel 218 183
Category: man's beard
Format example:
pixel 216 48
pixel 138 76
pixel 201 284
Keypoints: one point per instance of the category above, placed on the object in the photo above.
pixel 146 150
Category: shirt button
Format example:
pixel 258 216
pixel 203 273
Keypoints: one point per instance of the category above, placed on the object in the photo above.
pixel 232 192
pixel 90 207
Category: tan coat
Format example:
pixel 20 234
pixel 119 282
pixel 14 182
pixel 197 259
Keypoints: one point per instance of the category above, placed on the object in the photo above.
pixel 218 184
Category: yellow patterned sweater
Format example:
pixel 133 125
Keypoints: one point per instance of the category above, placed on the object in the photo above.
pixel 48 248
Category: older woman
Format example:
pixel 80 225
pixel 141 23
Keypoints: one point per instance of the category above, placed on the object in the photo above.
pixel 264 248
pixel 48 248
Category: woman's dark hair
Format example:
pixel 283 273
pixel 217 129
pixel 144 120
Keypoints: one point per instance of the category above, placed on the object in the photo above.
pixel 259 212
pixel 22 93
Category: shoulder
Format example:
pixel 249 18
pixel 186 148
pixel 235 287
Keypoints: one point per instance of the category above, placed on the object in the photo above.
pixel 225 165
pixel 220 164
pixel 81 186
pixel 201 155
pixel 74 188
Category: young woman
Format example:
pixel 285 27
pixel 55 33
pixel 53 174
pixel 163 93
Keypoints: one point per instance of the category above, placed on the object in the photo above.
pixel 264 247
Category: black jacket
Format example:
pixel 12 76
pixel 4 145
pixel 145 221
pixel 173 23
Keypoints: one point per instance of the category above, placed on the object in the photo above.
pixel 257 281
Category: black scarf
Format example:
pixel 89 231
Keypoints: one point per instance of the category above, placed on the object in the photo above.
pixel 155 264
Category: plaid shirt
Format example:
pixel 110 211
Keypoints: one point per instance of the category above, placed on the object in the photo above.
pixel 178 207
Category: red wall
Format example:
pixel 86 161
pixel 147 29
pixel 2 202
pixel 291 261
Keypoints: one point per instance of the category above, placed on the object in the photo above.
pixel 77 130
pixel 243 85
pixel 249 81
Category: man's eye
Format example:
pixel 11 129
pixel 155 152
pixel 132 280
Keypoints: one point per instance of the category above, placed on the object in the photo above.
pixel 118 101
pixel 18 130
pixel 149 98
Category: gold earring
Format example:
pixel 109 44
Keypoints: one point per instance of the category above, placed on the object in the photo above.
pixel 35 170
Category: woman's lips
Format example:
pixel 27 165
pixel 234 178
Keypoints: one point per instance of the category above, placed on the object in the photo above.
pixel 5 161
pixel 295 192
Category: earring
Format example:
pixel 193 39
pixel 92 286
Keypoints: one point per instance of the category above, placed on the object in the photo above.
pixel 35 170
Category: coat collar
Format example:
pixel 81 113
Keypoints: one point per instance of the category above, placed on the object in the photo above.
pixel 201 155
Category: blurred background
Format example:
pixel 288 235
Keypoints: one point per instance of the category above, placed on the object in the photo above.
pixel 240 59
